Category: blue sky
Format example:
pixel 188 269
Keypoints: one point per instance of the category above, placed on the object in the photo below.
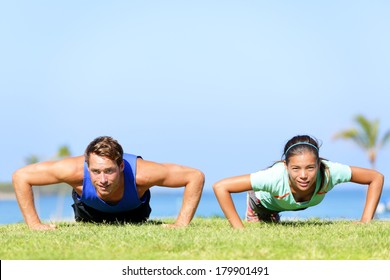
pixel 217 85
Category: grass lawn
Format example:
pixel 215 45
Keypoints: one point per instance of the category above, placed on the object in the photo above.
pixel 204 239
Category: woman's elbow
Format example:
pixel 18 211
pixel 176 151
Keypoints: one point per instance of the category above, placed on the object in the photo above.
pixel 381 178
pixel 218 186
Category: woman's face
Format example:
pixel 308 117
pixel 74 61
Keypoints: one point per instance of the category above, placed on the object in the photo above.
pixel 302 170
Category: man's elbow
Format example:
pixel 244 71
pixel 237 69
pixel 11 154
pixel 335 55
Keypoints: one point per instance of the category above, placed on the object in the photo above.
pixel 17 177
pixel 198 178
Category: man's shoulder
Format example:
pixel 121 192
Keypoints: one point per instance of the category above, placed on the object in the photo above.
pixel 71 169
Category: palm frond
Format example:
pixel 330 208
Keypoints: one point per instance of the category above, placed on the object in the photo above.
pixel 364 123
pixel 369 135
pixel 365 135
pixel 351 134
pixel 385 139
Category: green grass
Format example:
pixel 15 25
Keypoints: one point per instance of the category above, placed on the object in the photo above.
pixel 204 239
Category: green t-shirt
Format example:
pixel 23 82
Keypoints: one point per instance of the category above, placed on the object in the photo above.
pixel 272 187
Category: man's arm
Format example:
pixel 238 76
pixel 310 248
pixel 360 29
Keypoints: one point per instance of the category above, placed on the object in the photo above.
pixel 173 176
pixel 39 174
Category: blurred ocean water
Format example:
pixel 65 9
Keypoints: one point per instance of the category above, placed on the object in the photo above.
pixel 340 203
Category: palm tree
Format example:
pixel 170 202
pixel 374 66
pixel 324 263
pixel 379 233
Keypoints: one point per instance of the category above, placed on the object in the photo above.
pixel 31 159
pixel 63 152
pixel 366 136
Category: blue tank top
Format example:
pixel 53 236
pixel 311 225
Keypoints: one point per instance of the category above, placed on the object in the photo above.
pixel 130 198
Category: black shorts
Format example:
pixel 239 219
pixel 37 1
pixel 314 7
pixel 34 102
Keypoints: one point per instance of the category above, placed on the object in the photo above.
pixel 264 214
pixel 261 211
pixel 85 213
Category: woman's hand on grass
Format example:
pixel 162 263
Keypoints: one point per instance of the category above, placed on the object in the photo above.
pixel 172 226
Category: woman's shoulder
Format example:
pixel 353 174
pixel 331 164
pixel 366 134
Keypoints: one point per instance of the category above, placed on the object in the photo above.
pixel 273 171
pixel 333 164
pixel 337 170
pixel 277 165
pixel 269 179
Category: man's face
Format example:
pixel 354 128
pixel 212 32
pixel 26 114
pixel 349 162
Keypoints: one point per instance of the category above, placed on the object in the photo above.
pixel 105 175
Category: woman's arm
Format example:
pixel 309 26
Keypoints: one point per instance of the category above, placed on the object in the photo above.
pixel 223 190
pixel 375 181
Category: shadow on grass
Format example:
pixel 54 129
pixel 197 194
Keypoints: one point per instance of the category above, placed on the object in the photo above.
pixel 202 220
pixel 311 222
pixel 295 223
pixel 119 224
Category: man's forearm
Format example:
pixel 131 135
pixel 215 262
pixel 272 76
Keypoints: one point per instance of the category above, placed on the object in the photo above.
pixel 191 198
pixel 25 197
